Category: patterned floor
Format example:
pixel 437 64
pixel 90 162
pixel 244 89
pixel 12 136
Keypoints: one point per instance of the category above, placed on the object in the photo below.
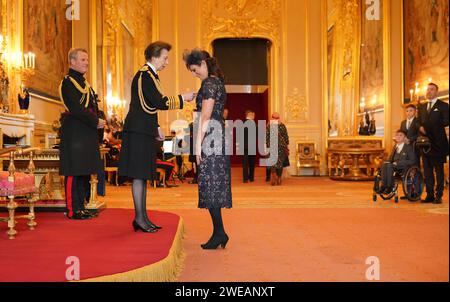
pixel 309 229
pixel 296 192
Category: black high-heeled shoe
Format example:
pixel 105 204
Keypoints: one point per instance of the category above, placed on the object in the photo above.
pixel 215 242
pixel 137 227
pixel 154 225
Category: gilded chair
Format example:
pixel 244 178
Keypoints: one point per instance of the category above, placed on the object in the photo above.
pixel 14 184
pixel 110 171
pixel 307 157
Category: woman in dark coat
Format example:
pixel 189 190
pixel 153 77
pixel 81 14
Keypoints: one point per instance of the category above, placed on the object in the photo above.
pixel 138 153
pixel 277 129
pixel 214 176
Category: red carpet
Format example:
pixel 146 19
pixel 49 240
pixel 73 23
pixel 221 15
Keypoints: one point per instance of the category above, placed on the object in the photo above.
pixel 105 246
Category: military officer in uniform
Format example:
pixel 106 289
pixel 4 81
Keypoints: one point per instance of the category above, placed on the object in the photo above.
pixel 138 153
pixel 79 147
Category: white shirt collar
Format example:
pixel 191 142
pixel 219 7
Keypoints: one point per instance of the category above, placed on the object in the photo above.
pixel 410 119
pixel 400 147
pixel 152 67
pixel 433 101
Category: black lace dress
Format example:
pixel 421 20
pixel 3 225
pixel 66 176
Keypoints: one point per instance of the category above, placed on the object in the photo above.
pixel 214 177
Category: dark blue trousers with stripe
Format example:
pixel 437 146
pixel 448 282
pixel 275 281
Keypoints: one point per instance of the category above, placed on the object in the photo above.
pixel 77 193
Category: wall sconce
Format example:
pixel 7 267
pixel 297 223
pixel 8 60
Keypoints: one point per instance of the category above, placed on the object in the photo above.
pixel 414 93
pixel 24 64
pixel 116 107
pixel 374 100
pixel 362 104
pixel 17 62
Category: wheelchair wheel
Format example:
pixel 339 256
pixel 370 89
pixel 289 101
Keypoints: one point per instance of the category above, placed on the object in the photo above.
pixel 413 183
pixel 391 194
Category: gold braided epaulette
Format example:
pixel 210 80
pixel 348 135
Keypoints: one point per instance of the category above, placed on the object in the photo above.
pixel 144 68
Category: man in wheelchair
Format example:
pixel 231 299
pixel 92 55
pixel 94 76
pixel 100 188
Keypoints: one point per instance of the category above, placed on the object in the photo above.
pixel 400 160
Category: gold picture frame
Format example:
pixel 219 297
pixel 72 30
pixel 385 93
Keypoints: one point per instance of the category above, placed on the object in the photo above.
pixel 48 33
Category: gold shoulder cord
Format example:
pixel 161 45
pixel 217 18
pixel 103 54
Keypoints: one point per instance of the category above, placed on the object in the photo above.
pixel 173 102
pixel 85 92
pixel 145 107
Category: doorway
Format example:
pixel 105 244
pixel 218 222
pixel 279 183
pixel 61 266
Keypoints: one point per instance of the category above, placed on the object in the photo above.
pixel 246 64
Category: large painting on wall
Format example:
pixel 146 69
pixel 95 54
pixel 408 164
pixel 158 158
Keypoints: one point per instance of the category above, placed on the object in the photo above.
pixel 371 68
pixel 426 45
pixel 48 34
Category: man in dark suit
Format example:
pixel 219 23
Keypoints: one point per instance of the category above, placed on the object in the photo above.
pixel 249 159
pixel 79 148
pixel 433 118
pixel 411 126
pixel 401 158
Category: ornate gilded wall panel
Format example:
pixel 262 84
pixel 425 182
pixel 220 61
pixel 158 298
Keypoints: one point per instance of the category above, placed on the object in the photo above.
pixel 244 18
pixel 127 32
pixel 297 107
pixel 247 19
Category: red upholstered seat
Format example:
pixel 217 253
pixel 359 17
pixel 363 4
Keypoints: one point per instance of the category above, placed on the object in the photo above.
pixel 17 184
pixel 23 184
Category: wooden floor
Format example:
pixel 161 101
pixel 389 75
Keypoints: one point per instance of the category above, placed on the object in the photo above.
pixel 309 229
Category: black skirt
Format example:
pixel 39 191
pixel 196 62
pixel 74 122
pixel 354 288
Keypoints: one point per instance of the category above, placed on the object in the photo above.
pixel 138 156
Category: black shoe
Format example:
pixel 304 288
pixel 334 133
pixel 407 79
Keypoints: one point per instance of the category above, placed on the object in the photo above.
pixel 215 242
pixel 428 199
pixel 79 216
pixel 438 200
pixel 172 186
pixel 154 225
pixel 137 227
pixel 90 213
pixel 403 197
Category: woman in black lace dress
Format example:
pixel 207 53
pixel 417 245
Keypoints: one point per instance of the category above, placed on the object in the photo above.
pixel 214 178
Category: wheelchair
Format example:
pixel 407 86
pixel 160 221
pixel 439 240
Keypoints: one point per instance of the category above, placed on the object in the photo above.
pixel 412 181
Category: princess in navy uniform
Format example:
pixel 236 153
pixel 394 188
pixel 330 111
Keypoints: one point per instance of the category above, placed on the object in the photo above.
pixel 138 153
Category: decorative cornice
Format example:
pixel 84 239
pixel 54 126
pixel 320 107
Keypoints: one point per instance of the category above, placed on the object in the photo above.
pixel 240 19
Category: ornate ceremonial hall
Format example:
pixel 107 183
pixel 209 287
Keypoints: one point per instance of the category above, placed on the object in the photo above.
pixel 357 90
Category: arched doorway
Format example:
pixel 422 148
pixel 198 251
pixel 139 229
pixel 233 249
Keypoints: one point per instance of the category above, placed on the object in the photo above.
pixel 246 64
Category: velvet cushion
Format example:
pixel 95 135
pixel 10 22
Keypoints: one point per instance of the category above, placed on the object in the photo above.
pixel 23 184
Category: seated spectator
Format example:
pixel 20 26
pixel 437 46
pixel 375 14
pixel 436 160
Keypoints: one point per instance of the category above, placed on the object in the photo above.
pixel 401 158
pixel 161 163
pixel 411 126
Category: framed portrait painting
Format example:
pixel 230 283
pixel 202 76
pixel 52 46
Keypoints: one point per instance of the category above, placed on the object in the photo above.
pixel 48 33
pixel 426 47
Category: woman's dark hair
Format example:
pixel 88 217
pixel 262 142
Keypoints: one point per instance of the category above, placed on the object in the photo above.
pixel 155 48
pixel 196 56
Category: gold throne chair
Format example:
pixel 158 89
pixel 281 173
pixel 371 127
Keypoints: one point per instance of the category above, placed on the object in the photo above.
pixel 308 157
